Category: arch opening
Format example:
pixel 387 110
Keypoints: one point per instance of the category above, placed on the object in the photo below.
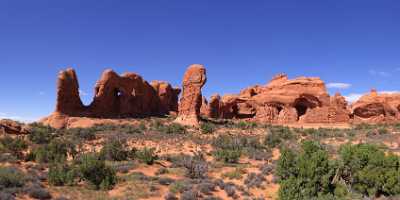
pixel 302 105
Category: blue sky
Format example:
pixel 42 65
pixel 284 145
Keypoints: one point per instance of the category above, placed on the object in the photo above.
pixel 242 43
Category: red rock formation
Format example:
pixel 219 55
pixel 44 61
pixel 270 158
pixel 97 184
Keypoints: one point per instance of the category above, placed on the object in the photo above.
pixel 282 101
pixel 375 108
pixel 191 100
pixel 124 96
pixel 68 100
pixel 116 96
pixel 168 96
pixel 8 126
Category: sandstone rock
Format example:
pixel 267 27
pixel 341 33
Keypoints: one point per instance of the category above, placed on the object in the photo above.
pixel 214 106
pixel 204 109
pixel 282 101
pixel 168 96
pixel 375 108
pixel 68 100
pixel 8 126
pixel 190 102
pixel 128 95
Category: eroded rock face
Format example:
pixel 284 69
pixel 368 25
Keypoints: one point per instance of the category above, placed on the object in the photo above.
pixel 68 100
pixel 128 95
pixel 375 108
pixel 284 101
pixel 191 100
pixel 8 126
pixel 168 96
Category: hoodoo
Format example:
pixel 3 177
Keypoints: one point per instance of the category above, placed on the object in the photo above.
pixel 191 100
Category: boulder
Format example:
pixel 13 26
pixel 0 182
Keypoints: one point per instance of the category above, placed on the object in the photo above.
pixel 8 126
pixel 191 100
pixel 377 107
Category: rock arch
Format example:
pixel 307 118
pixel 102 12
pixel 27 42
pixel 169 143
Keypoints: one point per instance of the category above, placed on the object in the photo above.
pixel 304 103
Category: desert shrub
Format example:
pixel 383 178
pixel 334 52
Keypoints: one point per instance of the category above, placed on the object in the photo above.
pixel 228 155
pixel 146 155
pixel 6 196
pixel 11 177
pixel 162 171
pixel 57 151
pixel 276 135
pixel 364 126
pixel 170 196
pixel 206 187
pixel 237 173
pixel 114 149
pixel 266 169
pixel 227 148
pixel 227 142
pixel 306 174
pixel 61 174
pixel 131 129
pixel 165 181
pixel 83 133
pixel 244 125
pixel 41 134
pixel 369 170
pixel 258 154
pixel 94 170
pixel 16 146
pixel 207 128
pixel 123 167
pixel 190 195
pixel 177 187
pixel 254 180
pixel 196 166
pixel 37 192
pixel 230 190
pixel 382 131
pixel 172 128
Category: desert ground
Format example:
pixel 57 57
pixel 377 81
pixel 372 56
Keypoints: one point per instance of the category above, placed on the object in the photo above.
pixel 155 158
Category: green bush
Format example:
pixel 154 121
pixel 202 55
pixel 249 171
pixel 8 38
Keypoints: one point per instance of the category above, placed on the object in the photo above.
pixel 228 142
pixel 276 135
pixel 369 170
pixel 41 134
pixel 83 133
pixel 57 151
pixel 173 128
pixel 228 155
pixel 196 166
pixel 362 168
pixel 244 125
pixel 147 155
pixel 11 177
pixel 272 140
pixel 306 175
pixel 16 146
pixel 94 170
pixel 207 128
pixel 230 148
pixel 61 174
pixel 114 149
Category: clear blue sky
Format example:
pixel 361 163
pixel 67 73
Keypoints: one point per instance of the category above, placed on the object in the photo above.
pixel 242 43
